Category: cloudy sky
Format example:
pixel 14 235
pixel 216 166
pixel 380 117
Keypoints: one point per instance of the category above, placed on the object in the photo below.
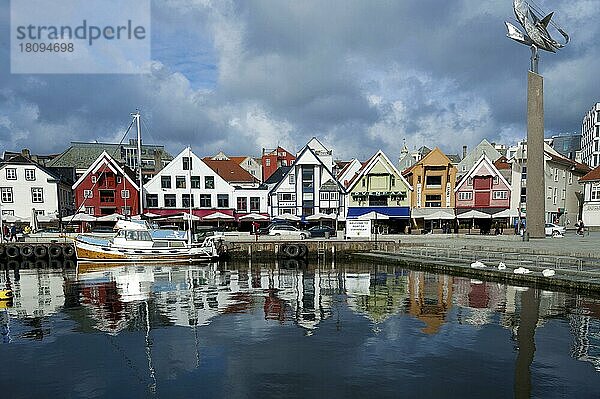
pixel 359 75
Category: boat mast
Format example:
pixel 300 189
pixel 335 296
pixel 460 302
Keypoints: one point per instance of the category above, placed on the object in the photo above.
pixel 136 116
pixel 190 194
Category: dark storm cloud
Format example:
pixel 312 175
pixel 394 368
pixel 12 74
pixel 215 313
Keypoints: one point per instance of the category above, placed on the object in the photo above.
pixel 239 76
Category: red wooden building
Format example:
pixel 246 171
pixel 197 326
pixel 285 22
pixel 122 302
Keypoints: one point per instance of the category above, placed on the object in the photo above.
pixel 273 159
pixel 106 188
pixel 483 188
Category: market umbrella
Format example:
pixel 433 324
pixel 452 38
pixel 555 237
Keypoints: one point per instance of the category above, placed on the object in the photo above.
pixel 10 219
pixel 439 215
pixel 506 213
pixel 253 216
pixel 321 216
pixel 151 215
pixel 288 217
pixel 373 216
pixel 33 223
pixel 218 216
pixel 110 218
pixel 80 217
pixel 474 214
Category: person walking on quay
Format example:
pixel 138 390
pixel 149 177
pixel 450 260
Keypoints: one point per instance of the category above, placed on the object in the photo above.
pixel 580 227
pixel 13 232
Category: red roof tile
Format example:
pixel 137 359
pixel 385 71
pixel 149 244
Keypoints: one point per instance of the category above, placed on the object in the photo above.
pixel 230 171
pixel 591 176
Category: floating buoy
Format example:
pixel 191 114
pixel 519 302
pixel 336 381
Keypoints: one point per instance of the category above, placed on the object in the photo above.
pixel 6 295
pixel 501 266
pixel 521 270
pixel 548 272
pixel 477 265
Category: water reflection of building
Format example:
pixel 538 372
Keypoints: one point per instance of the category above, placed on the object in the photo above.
pixel 37 292
pixel 585 327
pixel 430 298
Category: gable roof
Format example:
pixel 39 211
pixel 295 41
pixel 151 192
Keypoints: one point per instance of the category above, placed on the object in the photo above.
pixel 502 163
pixel 298 158
pixel 112 164
pixel 483 159
pixel 592 175
pixel 430 154
pixel 230 170
pixel 367 166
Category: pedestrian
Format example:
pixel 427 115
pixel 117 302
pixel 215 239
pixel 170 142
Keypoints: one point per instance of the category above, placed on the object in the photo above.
pixel 580 227
pixel 13 232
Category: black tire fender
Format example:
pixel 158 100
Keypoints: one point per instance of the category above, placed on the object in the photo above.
pixel 40 251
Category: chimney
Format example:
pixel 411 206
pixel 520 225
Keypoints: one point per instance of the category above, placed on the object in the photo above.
pixel 25 152
pixel 157 160
pixel 464 151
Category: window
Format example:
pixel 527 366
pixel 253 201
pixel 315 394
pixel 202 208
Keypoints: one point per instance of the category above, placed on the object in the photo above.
pixel 125 194
pixel 470 181
pixel 242 204
pixel 500 195
pixel 185 200
pixel 119 179
pixel 556 174
pixel 523 195
pixel 89 210
pixel 549 192
pixel 254 204
pixel 94 179
pixel 30 174
pixel 170 201
pixel 433 181
pixel 165 182
pixel 554 196
pixel 8 212
pixel 209 182
pixel 433 201
pixel 364 182
pixel 7 194
pixel 333 196
pixel 125 210
pixel 465 195
pixel 570 178
pixel 378 200
pixel 524 173
pixel 292 179
pixel 152 200
pixel 179 181
pixel 496 179
pixel 325 195
pixel 11 174
pixel 286 197
pixel 107 196
pixel 283 162
pixel 187 163
pixel 37 194
pixel 195 181
pixel 205 201
pixel 267 162
pixel 392 180
pixel 88 194
pixel 595 192
pixel 223 200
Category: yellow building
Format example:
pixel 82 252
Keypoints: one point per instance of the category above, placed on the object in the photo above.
pixel 433 179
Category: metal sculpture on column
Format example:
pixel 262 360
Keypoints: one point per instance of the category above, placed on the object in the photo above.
pixel 536 35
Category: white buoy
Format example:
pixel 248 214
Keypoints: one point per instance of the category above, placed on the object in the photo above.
pixel 477 265
pixel 548 272
pixel 501 266
pixel 521 270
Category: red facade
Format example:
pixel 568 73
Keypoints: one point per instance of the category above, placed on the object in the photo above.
pixel 483 188
pixel 273 159
pixel 105 189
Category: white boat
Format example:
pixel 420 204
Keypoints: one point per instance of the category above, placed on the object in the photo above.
pixel 134 242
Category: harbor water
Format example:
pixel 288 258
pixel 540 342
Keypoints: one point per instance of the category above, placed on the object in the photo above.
pixel 293 330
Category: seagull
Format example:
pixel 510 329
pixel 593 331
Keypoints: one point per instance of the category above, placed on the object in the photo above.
pixel 501 266
pixel 521 270
pixel 477 265
pixel 548 272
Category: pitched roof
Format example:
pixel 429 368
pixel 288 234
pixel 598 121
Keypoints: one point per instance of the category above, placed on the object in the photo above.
pixel 483 159
pixel 407 171
pixel 57 173
pixel 502 163
pixel 278 175
pixel 230 171
pixel 454 158
pixel 368 165
pixel 593 175
pixel 82 155
pixel 111 163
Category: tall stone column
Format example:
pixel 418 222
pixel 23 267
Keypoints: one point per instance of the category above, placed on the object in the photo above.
pixel 536 186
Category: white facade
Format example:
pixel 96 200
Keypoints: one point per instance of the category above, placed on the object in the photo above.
pixel 250 200
pixel 24 185
pixel 309 187
pixel 171 187
pixel 591 204
pixel 561 185
pixel 590 137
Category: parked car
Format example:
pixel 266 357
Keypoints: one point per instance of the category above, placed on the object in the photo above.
pixel 554 229
pixel 287 230
pixel 265 230
pixel 322 231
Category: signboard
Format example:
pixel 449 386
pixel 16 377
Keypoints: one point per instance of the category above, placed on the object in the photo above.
pixel 418 195
pixel 358 228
